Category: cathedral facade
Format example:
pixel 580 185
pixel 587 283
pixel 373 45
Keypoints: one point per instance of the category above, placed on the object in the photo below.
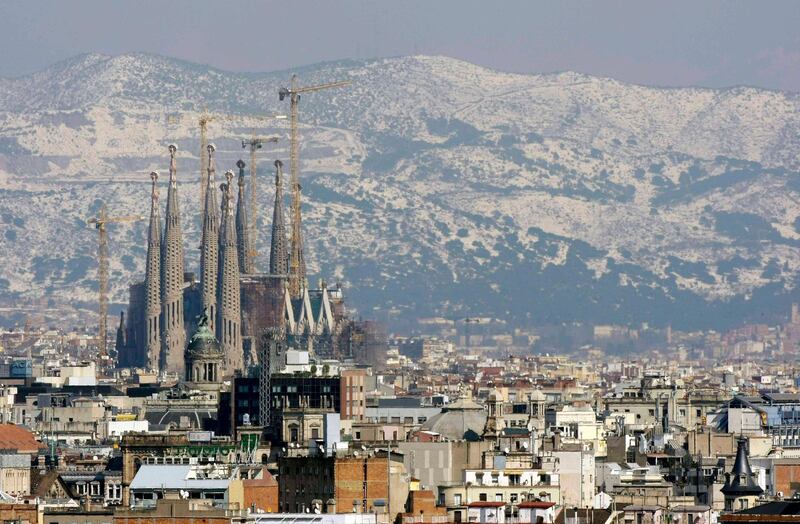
pixel 238 302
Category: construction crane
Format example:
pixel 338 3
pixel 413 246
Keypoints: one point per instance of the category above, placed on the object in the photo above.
pixel 254 143
pixel 205 119
pixel 297 264
pixel 100 222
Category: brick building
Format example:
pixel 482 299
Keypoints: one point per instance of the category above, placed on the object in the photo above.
pixel 21 513
pixel 261 493
pixel 344 484
pixel 421 508
pixel 352 395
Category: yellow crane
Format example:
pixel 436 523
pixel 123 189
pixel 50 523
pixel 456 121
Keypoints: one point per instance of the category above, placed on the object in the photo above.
pixel 297 264
pixel 255 143
pixel 205 119
pixel 100 222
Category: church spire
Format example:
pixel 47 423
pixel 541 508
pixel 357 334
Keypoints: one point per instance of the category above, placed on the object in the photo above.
pixel 152 282
pixel 228 291
pixel 210 243
pixel 173 333
pixel 120 343
pixel 244 248
pixel 278 256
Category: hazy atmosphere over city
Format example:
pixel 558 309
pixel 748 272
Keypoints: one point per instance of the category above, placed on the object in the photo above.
pixel 407 262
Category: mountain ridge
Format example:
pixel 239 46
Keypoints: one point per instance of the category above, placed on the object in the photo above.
pixel 515 195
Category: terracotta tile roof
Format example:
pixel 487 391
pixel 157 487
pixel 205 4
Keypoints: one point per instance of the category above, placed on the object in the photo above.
pixel 486 504
pixel 18 438
pixel 266 480
pixel 538 504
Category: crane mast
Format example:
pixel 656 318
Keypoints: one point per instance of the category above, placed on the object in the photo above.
pixel 297 264
pixel 205 119
pixel 255 143
pixel 102 277
pixel 100 222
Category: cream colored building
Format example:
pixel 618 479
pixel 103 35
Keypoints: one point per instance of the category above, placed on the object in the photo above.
pixel 15 474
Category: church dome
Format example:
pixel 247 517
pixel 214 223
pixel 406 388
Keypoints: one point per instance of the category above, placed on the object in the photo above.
pixel 461 420
pixel 203 342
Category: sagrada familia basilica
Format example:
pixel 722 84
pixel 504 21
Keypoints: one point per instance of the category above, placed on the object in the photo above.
pixel 235 301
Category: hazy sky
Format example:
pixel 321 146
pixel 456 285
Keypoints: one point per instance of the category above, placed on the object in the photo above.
pixel 664 42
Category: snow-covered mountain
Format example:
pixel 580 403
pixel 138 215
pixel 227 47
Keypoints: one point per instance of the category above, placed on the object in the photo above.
pixel 432 186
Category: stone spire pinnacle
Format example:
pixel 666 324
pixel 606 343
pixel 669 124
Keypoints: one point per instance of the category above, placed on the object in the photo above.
pixel 244 247
pixel 152 282
pixel 278 256
pixel 209 264
pixel 173 332
pixel 229 316
pixel 120 342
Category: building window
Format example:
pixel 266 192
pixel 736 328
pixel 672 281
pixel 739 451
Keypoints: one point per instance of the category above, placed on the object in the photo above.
pixel 457 499
pixel 498 497
pixel 482 497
